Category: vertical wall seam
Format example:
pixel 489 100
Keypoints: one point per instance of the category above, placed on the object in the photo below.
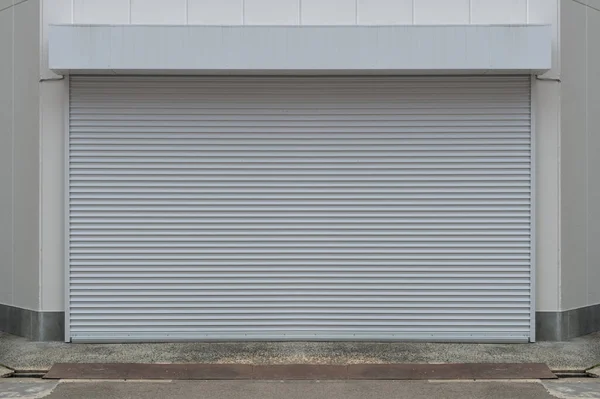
pixel 243 12
pixel 355 12
pixel 12 174
pixel 187 12
pixel 527 11
pixel 413 12
pixel 559 155
pixel 40 162
pixel 299 12
pixel 587 162
pixel 470 12
pixel 130 6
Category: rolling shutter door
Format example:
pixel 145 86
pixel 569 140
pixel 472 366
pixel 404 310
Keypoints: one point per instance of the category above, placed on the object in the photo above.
pixel 300 208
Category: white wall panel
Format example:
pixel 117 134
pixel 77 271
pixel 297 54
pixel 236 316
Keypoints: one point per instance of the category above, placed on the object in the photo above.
pixel 385 12
pixel 100 12
pixel 52 130
pixel 442 12
pixel 26 154
pixel 580 159
pixel 159 12
pixel 547 206
pixel 328 12
pixel 53 98
pixel 272 12
pixel 547 119
pixel 593 151
pixel 499 11
pixel 269 12
pixel 211 12
pixel 574 205
pixel 6 156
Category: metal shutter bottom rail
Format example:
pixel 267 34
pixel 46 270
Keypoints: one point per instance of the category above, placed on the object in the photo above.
pixel 300 208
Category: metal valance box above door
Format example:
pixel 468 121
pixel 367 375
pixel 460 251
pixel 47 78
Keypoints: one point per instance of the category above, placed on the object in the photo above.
pixel 299 208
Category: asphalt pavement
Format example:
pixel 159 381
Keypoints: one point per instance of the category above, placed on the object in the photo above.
pixel 37 389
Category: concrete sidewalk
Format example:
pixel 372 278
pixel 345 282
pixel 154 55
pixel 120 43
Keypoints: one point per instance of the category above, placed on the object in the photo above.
pixel 578 354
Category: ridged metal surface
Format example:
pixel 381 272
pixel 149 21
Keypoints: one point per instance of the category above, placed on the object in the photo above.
pixel 300 208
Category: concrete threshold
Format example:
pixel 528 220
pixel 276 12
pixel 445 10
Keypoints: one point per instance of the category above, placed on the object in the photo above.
pixel 575 355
